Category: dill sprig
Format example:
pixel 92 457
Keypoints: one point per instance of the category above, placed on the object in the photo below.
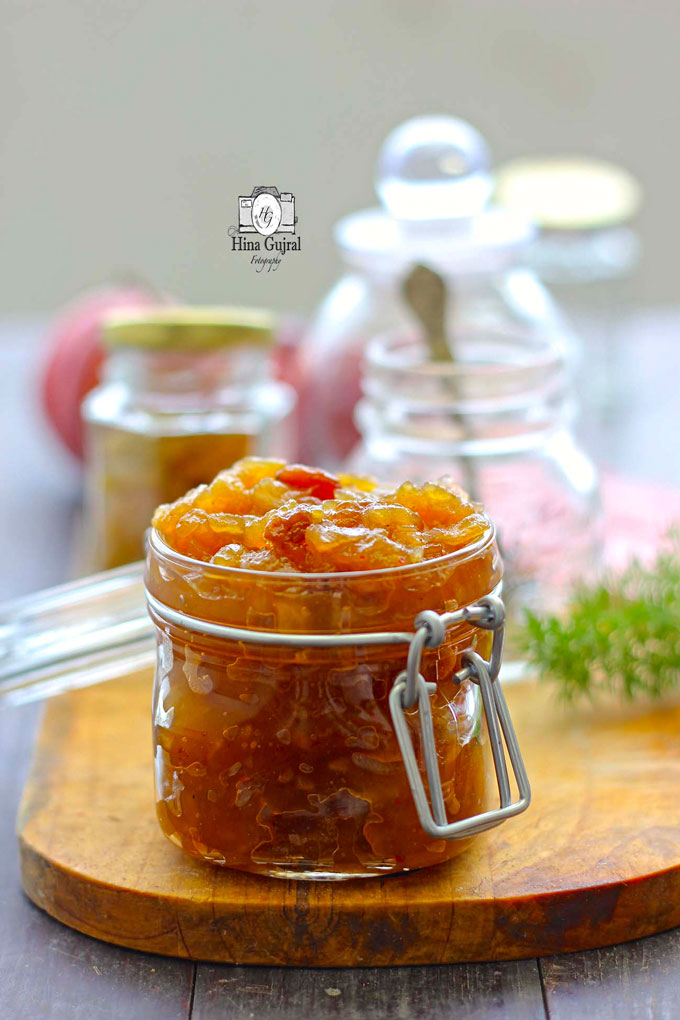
pixel 621 635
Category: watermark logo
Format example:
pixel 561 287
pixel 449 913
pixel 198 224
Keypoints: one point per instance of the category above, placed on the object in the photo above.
pixel 269 213
pixel 266 211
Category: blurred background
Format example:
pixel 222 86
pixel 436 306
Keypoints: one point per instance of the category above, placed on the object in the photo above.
pixel 129 127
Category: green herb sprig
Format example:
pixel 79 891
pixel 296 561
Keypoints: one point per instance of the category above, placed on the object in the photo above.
pixel 621 635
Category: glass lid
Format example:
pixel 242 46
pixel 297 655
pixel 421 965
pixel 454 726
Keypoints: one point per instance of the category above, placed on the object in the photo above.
pixel 434 181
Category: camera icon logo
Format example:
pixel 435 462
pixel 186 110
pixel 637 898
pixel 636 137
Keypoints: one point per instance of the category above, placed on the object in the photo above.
pixel 266 211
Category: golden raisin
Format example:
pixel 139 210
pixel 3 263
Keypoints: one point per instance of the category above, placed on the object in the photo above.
pixel 263 515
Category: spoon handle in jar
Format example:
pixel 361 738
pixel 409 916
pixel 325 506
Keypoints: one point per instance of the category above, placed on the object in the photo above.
pixel 74 635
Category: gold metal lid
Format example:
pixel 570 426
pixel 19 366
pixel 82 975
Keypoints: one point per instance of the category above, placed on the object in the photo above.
pixel 568 192
pixel 188 328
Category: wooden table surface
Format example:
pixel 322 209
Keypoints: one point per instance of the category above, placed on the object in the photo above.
pixel 52 972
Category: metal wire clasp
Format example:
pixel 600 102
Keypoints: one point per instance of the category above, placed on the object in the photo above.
pixel 410 688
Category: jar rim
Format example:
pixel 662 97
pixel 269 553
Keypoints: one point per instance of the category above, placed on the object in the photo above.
pixel 158 545
pixel 393 350
pixel 495 371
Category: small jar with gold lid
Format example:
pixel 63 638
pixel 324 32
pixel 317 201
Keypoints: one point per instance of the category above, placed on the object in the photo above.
pixel 186 392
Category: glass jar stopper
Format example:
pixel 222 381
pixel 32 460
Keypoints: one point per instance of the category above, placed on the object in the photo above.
pixel 435 184
pixel 434 168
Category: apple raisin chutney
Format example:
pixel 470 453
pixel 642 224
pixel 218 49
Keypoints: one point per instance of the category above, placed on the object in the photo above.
pixel 283 597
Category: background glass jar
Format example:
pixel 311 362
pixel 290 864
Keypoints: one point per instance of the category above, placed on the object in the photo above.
pixel 586 250
pixel 498 421
pixel 186 392
pixel 435 184
pixel 284 761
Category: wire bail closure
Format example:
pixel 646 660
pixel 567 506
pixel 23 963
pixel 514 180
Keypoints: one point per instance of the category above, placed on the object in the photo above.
pixel 410 688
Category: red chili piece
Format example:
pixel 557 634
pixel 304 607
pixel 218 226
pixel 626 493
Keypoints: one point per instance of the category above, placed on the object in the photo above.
pixel 317 483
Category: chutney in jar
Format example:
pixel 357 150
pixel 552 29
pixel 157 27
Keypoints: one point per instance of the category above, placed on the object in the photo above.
pixel 185 393
pixel 283 760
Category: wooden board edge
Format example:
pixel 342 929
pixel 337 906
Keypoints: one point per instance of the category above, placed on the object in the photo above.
pixel 524 928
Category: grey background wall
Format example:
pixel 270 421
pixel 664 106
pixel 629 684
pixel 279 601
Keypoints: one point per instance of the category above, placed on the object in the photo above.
pixel 129 127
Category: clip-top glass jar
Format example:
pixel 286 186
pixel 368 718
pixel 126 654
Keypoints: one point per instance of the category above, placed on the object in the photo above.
pixel 283 727
pixel 186 393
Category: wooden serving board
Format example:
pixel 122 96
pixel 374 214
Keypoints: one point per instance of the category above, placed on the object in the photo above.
pixel 595 860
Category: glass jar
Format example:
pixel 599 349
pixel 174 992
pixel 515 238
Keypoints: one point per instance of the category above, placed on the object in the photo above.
pixel 586 250
pixel 434 181
pixel 498 421
pixel 186 392
pixel 282 759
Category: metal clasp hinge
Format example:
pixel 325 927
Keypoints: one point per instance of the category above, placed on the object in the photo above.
pixel 410 688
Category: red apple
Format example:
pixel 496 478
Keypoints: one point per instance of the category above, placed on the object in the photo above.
pixel 75 354
pixel 329 386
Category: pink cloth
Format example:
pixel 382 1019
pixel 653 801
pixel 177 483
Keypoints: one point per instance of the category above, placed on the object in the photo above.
pixel 637 516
